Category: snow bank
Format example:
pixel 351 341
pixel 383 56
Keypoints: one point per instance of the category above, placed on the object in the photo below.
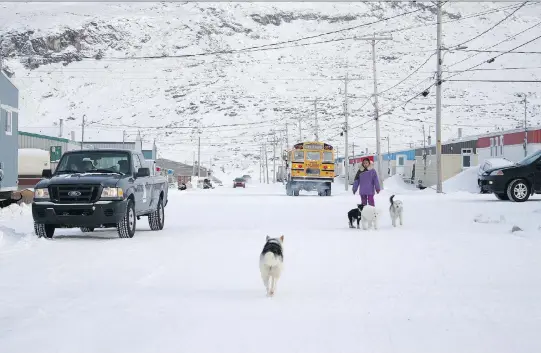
pixel 464 181
pixel 15 224
pixel 396 184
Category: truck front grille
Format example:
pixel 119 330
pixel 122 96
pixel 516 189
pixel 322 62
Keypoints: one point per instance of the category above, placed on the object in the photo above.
pixel 74 193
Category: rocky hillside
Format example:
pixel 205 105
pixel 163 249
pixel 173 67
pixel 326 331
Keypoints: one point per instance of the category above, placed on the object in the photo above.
pixel 176 71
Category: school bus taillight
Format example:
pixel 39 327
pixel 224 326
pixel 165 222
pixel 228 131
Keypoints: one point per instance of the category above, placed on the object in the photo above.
pixel 299 166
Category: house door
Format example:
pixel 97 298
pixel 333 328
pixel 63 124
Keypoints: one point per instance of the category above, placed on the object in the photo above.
pixel 400 164
pixel 466 157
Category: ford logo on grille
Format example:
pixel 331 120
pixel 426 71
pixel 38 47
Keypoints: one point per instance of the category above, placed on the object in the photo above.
pixel 74 193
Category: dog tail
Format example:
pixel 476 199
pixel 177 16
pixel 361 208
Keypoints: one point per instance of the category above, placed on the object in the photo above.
pixel 391 199
pixel 270 259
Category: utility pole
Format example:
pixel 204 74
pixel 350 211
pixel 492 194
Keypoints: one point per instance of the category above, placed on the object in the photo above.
pixel 83 132
pixel 266 162
pixel 439 186
pixel 61 132
pixel 373 40
pixel 316 127
pixel 388 145
pixel 315 116
pixel 274 158
pixel 124 139
pixel 193 164
pixel 287 138
pixel 199 156
pixel 525 125
pixel 260 163
pixel 346 131
pixel 300 130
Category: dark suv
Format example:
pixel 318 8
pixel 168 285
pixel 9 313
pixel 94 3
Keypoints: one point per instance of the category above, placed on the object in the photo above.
pixel 515 182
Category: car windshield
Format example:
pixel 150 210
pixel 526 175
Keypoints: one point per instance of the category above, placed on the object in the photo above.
pixel 239 180
pixel 94 162
pixel 530 159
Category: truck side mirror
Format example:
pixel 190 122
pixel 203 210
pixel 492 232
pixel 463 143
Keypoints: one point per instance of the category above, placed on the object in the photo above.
pixel 46 173
pixel 143 172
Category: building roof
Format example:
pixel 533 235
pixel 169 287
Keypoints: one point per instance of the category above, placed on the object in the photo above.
pixel 179 169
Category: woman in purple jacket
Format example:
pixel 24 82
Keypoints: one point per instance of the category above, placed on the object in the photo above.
pixel 366 180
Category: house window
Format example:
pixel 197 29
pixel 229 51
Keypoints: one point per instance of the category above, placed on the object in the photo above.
pixel 9 123
pixel 400 161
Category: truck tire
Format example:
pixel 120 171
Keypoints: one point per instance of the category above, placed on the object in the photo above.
pixel 156 219
pixel 289 191
pixel 44 230
pixel 328 192
pixel 502 197
pixel 296 192
pixel 518 190
pixel 86 229
pixel 126 227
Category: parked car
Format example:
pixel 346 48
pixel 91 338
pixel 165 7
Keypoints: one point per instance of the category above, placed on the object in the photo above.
pixel 99 188
pixel 239 182
pixel 515 182
pixel 491 163
pixel 247 178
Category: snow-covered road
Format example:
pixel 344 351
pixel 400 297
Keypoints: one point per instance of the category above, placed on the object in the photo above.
pixel 447 281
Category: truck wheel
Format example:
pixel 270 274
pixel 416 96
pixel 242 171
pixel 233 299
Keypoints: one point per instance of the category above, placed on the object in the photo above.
pixel 296 192
pixel 44 230
pixel 328 192
pixel 126 227
pixel 156 219
pixel 518 190
pixel 289 191
pixel 86 229
pixel 502 197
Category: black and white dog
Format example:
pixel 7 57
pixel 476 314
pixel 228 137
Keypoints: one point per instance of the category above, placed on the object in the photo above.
pixel 355 214
pixel 396 210
pixel 271 262
pixel 366 214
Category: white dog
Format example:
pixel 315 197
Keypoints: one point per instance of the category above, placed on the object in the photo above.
pixel 369 216
pixel 271 263
pixel 396 210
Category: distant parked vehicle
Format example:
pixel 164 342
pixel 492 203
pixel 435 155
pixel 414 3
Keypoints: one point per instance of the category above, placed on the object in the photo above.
pixel 491 163
pixel 247 178
pixel 516 182
pixel 239 182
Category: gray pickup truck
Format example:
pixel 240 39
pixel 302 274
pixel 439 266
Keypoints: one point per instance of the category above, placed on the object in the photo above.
pixel 100 188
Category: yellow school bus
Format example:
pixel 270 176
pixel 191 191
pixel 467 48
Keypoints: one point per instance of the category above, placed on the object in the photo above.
pixel 310 166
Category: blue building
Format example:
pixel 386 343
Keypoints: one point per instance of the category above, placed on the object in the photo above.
pixel 9 127
pixel 400 162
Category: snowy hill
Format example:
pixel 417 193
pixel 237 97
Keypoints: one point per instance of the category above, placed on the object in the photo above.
pixel 71 60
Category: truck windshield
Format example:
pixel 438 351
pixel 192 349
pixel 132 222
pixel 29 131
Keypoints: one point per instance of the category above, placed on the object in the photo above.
pixel 94 162
pixel 530 159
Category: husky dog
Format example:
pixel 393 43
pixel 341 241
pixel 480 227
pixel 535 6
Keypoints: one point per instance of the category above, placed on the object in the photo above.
pixel 355 213
pixel 395 210
pixel 271 262
pixel 369 217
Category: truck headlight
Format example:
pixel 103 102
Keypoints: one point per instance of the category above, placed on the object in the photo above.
pixel 41 194
pixel 112 193
pixel 496 172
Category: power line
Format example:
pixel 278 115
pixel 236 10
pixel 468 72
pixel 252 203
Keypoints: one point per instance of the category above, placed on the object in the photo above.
pixel 497 81
pixel 492 46
pixel 411 74
pixel 491 28
pixel 498 51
